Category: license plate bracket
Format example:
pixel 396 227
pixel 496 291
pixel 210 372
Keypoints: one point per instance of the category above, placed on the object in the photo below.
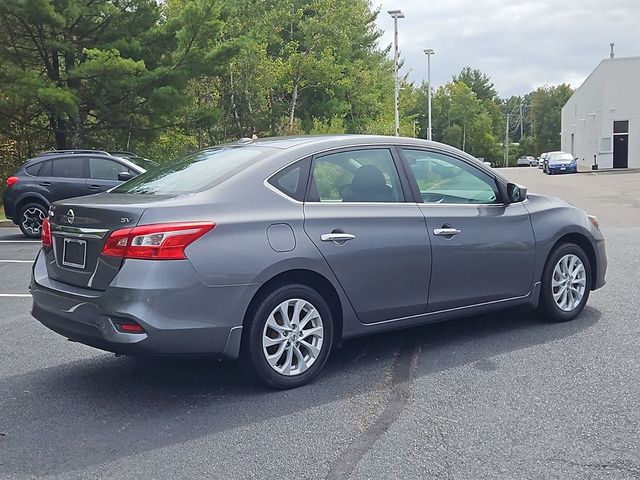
pixel 74 253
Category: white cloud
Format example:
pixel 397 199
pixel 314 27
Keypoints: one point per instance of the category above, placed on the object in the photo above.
pixel 520 44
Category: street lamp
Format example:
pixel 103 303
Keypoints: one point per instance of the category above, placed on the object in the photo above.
pixel 396 14
pixel 428 52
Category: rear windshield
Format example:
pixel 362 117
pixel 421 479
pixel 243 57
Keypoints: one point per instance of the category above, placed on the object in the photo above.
pixel 195 172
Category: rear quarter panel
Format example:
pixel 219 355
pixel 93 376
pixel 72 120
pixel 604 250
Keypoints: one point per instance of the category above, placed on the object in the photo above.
pixel 237 251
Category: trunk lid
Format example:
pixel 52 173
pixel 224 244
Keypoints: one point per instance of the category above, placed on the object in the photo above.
pixel 79 229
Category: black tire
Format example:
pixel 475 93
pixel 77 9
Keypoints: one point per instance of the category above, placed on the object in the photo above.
pixel 30 219
pixel 547 306
pixel 253 355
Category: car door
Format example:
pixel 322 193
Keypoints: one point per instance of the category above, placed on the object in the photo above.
pixel 63 177
pixel 103 174
pixel 483 249
pixel 375 242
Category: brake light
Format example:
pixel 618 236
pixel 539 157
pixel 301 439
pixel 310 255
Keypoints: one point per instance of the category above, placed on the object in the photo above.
pixel 12 181
pixel 46 233
pixel 163 241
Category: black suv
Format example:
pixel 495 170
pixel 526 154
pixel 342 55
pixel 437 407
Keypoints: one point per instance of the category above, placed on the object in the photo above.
pixel 57 175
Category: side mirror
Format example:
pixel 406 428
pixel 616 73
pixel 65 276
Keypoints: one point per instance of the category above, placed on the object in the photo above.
pixel 124 176
pixel 516 193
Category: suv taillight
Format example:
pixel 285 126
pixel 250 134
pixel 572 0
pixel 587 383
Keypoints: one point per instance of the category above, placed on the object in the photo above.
pixel 12 181
pixel 46 233
pixel 162 241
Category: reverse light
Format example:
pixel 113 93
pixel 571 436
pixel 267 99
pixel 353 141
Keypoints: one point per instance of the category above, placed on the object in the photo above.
pixel 45 236
pixel 11 181
pixel 162 241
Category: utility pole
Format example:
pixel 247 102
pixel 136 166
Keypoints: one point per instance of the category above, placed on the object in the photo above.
pixel 506 142
pixel 521 122
pixel 396 14
pixel 428 52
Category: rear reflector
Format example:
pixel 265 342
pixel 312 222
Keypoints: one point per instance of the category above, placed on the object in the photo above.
pixel 12 181
pixel 162 241
pixel 46 233
pixel 128 327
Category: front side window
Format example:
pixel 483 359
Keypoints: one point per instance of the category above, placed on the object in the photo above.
pixel 445 179
pixel 105 169
pixel 69 167
pixel 367 175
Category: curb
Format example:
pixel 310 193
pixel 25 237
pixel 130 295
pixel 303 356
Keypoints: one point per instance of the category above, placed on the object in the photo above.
pixel 6 223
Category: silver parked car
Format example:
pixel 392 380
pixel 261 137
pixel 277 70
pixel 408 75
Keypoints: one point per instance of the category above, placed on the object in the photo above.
pixel 277 250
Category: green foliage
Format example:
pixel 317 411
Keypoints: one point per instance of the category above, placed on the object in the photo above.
pixel 547 103
pixel 164 78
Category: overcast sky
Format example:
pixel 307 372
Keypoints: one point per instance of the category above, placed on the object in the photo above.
pixel 520 44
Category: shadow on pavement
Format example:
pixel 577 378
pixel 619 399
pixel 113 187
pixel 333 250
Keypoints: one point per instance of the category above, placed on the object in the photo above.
pixel 104 408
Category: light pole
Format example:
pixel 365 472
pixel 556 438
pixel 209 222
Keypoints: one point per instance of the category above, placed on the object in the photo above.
pixel 396 14
pixel 428 52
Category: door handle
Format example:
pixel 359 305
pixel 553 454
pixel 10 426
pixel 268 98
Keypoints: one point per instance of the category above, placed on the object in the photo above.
pixel 45 184
pixel 336 238
pixel 446 232
pixel 94 187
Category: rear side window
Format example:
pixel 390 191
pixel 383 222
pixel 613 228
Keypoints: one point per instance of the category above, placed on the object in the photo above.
pixel 363 175
pixel 68 167
pixel 34 169
pixel 196 172
pixel 292 181
pixel 105 169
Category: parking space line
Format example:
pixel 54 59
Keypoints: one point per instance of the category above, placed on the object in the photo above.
pixel 15 295
pixel 20 241
pixel 16 261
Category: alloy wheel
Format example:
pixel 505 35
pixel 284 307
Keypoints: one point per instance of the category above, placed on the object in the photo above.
pixel 292 337
pixel 569 282
pixel 32 219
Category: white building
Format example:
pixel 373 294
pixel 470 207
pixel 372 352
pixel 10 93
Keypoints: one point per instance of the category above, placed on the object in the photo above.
pixel 601 121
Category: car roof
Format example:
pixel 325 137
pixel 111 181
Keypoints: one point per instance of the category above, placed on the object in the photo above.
pixel 71 151
pixel 95 154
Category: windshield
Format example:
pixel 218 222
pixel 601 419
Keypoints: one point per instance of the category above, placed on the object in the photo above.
pixel 195 172
pixel 560 156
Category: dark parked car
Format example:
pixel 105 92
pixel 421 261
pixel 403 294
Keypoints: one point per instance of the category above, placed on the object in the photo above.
pixel 53 176
pixel 277 250
pixel 560 162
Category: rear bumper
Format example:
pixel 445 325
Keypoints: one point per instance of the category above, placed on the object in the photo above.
pixel 7 205
pixel 188 319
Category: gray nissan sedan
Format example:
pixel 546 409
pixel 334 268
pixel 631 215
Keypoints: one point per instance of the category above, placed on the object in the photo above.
pixel 277 250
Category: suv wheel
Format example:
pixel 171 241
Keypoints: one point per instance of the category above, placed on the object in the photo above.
pixel 30 219
pixel 566 283
pixel 289 337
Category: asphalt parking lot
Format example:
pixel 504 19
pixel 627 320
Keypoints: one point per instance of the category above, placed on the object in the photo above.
pixel 500 396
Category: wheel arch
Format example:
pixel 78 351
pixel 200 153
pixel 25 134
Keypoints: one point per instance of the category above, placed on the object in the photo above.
pixel 306 277
pixel 30 198
pixel 583 242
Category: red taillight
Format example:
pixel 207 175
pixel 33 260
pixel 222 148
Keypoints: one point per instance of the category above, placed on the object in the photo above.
pixel 12 181
pixel 129 327
pixel 46 233
pixel 163 241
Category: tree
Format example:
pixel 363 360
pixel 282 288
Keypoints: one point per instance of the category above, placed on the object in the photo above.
pixel 478 82
pixel 547 103
pixel 104 68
